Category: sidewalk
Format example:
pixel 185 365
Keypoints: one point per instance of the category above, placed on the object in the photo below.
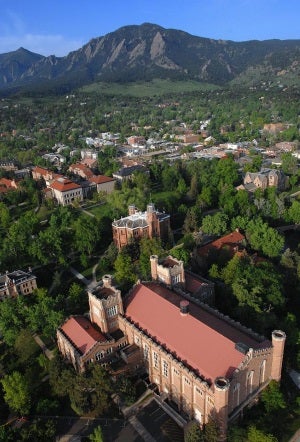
pixel 296 437
pixel 48 353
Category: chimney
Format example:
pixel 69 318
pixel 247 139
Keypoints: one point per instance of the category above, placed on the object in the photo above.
pixel 184 307
pixel 106 280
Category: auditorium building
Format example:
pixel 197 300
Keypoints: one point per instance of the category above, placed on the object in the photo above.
pixel 204 362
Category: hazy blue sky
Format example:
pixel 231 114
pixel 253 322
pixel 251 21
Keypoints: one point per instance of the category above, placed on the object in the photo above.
pixel 60 26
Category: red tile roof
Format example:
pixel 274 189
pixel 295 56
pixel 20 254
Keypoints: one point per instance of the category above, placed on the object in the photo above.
pixel 40 170
pixel 89 162
pixel 192 284
pixel 200 339
pixel 231 240
pixel 9 184
pixel 100 179
pixel 63 185
pixel 82 333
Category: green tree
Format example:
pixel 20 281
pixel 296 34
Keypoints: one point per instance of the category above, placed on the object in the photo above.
pixel 211 431
pixel 12 318
pixel 124 269
pixel 97 435
pixel 194 433
pixel 17 392
pixel 273 398
pixel 256 435
pixel 192 220
pixel 77 298
pixel 4 216
pixel 148 247
pixel 87 233
pixel 258 286
pixel 215 224
pixel 294 212
pixel 264 238
pixel 289 163
pixel 45 307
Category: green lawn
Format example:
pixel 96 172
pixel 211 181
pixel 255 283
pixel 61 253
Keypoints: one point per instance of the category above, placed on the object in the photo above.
pixel 148 88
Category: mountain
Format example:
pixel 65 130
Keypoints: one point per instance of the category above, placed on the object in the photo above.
pixel 149 51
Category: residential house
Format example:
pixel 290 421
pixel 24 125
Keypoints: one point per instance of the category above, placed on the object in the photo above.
pixel 228 245
pixel 8 165
pixel 126 173
pixel 6 185
pixel 265 178
pixel 137 225
pixel 41 173
pixel 80 170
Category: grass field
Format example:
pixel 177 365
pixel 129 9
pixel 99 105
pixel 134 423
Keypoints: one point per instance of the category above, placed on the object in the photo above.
pixel 148 88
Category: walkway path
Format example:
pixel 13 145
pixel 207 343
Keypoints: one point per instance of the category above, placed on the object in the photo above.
pixel 296 437
pixel 79 276
pixel 48 353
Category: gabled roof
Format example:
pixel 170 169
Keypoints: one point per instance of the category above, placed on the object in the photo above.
pixel 202 340
pixel 41 170
pixel 231 240
pixel 100 179
pixel 80 331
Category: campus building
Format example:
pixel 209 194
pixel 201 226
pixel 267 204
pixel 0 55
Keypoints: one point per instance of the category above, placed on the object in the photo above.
pixel 137 225
pixel 203 362
pixel 16 283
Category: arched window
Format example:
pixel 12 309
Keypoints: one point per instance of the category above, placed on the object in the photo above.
pixel 249 383
pixel 262 371
pixel 236 395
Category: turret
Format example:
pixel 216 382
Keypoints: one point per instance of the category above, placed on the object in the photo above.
pixel 222 385
pixel 278 342
pixel 154 264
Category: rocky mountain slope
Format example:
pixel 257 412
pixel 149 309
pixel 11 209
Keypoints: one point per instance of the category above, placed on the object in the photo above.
pixel 149 51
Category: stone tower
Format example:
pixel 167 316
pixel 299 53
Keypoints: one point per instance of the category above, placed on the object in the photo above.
pixel 105 305
pixel 278 342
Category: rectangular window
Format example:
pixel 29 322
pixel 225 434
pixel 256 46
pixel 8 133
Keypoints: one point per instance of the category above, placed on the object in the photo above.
pixel 99 356
pixel 165 369
pixel 146 352
pixel 137 340
pixel 187 381
pixel 198 391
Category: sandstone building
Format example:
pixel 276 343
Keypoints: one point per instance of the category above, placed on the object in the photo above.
pixel 137 225
pixel 200 360
pixel 16 283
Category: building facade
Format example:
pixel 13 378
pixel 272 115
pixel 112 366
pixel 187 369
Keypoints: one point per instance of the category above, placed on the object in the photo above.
pixel 265 178
pixel 16 283
pixel 65 191
pixel 208 365
pixel 137 225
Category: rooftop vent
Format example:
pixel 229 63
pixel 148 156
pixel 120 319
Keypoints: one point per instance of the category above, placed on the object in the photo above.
pixel 184 307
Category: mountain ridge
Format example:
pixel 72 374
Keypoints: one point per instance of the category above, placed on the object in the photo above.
pixel 145 52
